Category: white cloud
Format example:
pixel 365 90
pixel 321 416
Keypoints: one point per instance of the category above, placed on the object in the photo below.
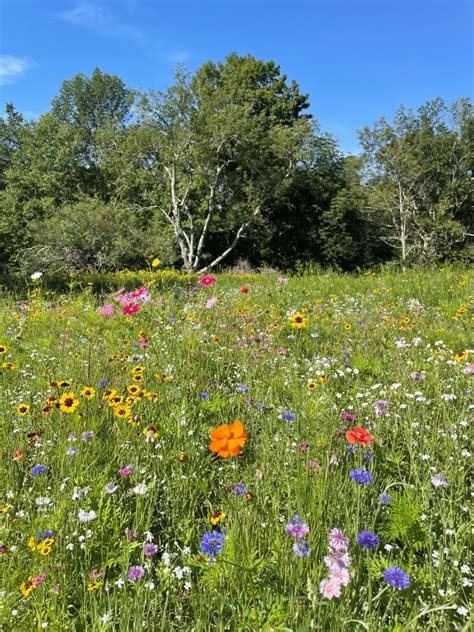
pixel 12 68
pixel 102 21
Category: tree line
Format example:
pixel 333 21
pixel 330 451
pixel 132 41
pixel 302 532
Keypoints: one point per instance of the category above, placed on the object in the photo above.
pixel 227 164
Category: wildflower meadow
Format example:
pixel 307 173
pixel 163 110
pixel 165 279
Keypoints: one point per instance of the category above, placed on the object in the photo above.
pixel 237 452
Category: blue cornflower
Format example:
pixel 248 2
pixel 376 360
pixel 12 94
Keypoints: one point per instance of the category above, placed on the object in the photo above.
pixel 240 489
pixel 368 540
pixel 288 416
pixel 397 577
pixel 260 405
pixel 72 451
pixel 301 548
pixel 385 499
pixel 368 457
pixel 38 470
pixel 359 475
pixel 171 319
pixel 103 383
pixel 204 395
pixel 212 543
pixel 241 388
pixel 352 449
pixel 42 535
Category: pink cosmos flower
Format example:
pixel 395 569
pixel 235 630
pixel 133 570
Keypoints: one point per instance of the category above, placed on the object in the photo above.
pixel 130 308
pixel 282 280
pixel 469 368
pixel 330 588
pixel 211 302
pixel 107 310
pixel 207 280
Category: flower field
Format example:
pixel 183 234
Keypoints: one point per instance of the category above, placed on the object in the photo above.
pixel 237 453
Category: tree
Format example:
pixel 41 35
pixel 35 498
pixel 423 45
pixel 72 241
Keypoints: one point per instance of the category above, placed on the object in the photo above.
pixel 417 170
pixel 225 142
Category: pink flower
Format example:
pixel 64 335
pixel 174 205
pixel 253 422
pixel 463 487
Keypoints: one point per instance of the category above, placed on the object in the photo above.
pixel 207 280
pixel 340 576
pixel 469 368
pixel 330 588
pixel 130 308
pixel 211 302
pixel 282 280
pixel 139 295
pixel 337 560
pixel 337 540
pixel 107 310
pixel 39 579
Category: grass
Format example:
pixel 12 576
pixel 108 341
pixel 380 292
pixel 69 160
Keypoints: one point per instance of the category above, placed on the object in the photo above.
pixel 387 348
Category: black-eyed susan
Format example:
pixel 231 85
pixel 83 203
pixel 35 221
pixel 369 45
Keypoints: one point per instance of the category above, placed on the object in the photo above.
pixel 138 369
pixel 347 326
pixel 311 385
pixel 133 389
pixel 152 397
pixel 46 410
pixel 3 349
pixel 88 392
pixel 22 409
pixel 138 377
pixel 217 517
pixel 9 365
pixel 122 411
pixel 27 587
pixel 45 546
pixel 298 321
pixel 461 356
pixel 68 402
pixel 93 586
pixel 64 383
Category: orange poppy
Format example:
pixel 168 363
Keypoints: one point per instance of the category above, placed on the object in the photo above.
pixel 359 435
pixel 228 440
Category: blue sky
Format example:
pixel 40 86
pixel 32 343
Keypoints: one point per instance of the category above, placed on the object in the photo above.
pixel 357 59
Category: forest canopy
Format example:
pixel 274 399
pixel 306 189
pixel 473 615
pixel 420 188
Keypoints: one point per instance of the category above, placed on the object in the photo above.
pixel 228 164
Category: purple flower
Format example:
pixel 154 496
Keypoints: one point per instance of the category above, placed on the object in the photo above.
pixel 135 572
pixel 150 549
pixel 204 395
pixel 38 470
pixel 240 489
pixel 241 388
pixel 337 559
pixel 381 407
pixel 338 541
pixel 368 540
pixel 103 383
pixel 87 434
pixel 440 480
pixel 397 577
pixel 288 416
pixel 72 451
pixel 359 475
pixel 301 548
pixel 385 499
pixel 297 530
pixel 212 543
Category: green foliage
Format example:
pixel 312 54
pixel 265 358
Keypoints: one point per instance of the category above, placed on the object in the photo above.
pixel 404 524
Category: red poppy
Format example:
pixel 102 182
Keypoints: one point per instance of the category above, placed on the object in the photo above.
pixel 359 435
pixel 244 290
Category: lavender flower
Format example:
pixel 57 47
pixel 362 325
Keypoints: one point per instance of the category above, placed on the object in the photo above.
pixel 135 572
pixel 150 549
pixel 301 548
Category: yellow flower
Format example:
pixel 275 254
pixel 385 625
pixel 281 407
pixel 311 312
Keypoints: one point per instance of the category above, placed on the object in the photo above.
pixel 88 392
pixel 27 587
pixel 4 510
pixel 347 326
pixel 32 543
pixel 217 517
pixel 311 385
pixel 68 402
pixel 3 349
pixel 138 369
pixel 122 410
pixel 22 409
pixel 45 546
pixel 298 321
pixel 460 356
pixel 155 263
pixel 93 586
pixel 133 389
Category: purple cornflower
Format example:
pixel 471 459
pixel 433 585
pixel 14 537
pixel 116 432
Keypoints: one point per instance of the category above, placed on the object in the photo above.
pixel 212 543
pixel 301 548
pixel 440 480
pixel 288 416
pixel 72 451
pixel 381 407
pixel 338 541
pixel 150 549
pixel 347 416
pixel 42 535
pixel 135 572
pixel 385 499
pixel 397 577
pixel 297 529
pixel 368 540
pixel 240 489
pixel 87 434
pixel 359 475
pixel 241 388
pixel 337 559
pixel 103 383
pixel 304 447
pixel 204 395
pixel 38 470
